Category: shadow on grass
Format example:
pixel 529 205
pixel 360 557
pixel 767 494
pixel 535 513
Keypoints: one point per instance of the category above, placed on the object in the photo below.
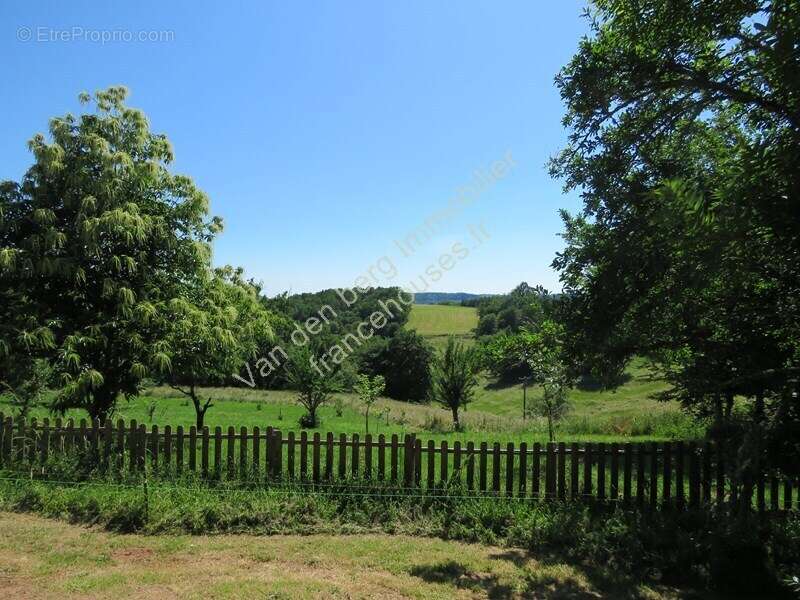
pixel 456 574
pixel 589 383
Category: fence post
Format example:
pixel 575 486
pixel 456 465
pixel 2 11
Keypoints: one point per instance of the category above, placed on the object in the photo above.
pixel 381 457
pixel 550 471
pixel 614 471
pixel 626 479
pixel 315 458
pixel 562 471
pixel 496 468
pixel 417 460
pixel 654 475
pixel 343 456
pixel 217 452
pixel 329 456
pixel 641 457
pixel 471 466
pixel 393 458
pixel 587 470
pixel 444 462
pixel 368 456
pixel 680 461
pixel 303 455
pixel 536 470
pixel 290 443
pixel 243 452
pixel 601 471
pixel 667 484
pixel 256 469
pixel 179 450
pixel 694 476
pixel 431 465
pixel 45 441
pixel 193 448
pixel 204 452
pixel 278 435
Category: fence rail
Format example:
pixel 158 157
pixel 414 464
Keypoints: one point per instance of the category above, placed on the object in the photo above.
pixel 680 474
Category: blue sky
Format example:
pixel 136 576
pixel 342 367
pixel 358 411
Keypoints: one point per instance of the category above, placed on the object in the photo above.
pixel 323 131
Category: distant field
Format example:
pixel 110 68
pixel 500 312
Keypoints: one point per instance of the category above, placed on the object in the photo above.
pixel 437 322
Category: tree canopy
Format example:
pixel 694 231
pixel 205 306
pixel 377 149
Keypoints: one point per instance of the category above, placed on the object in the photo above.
pixel 96 242
pixel 685 140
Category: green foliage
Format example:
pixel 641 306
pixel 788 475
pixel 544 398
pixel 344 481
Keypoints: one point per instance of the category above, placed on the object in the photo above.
pixel 342 319
pixel 523 306
pixel 26 383
pixel 684 142
pixel 96 242
pixel 404 361
pixel 218 326
pixel 455 376
pixel 368 389
pixel 314 386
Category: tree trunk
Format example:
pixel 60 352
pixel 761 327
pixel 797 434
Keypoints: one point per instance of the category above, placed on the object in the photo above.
pixel 199 409
pixel 456 423
pixel 550 427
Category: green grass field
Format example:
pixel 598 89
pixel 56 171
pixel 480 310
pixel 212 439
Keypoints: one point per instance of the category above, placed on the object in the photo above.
pixel 437 322
pixel 495 415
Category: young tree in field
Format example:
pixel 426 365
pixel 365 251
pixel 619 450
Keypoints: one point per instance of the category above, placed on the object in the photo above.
pixel 314 387
pixel 455 376
pixel 96 242
pixel 368 389
pixel 214 330
pixel 544 354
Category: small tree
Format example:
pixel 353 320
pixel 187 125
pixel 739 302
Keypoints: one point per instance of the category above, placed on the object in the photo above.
pixel 455 375
pixel 314 388
pixel 368 389
pixel 545 358
pixel 214 330
pixel 553 404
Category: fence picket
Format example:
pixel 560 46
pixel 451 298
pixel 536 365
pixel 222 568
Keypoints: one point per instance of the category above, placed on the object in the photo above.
pixel 179 442
pixel 315 458
pixel 329 456
pixel 368 456
pixel 393 458
pixel 445 461
pixel 381 457
pixel 627 474
pixel 218 452
pixel 470 466
pixel 550 471
pixel 204 452
pixel 670 473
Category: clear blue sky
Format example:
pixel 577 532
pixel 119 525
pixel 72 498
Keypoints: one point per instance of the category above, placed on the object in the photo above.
pixel 323 131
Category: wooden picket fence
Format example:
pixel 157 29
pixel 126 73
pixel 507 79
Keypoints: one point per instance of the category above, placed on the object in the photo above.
pixel 680 474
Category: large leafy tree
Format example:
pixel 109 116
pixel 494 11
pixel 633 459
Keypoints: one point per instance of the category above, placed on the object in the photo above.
pixel 96 241
pixel 685 140
pixel 218 326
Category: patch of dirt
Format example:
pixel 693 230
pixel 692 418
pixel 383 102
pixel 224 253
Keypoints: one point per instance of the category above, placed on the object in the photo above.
pixel 132 554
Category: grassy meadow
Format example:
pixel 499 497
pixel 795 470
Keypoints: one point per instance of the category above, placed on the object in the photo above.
pixel 495 415
pixel 437 322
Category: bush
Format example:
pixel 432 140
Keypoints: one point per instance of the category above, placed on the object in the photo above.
pixel 404 362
